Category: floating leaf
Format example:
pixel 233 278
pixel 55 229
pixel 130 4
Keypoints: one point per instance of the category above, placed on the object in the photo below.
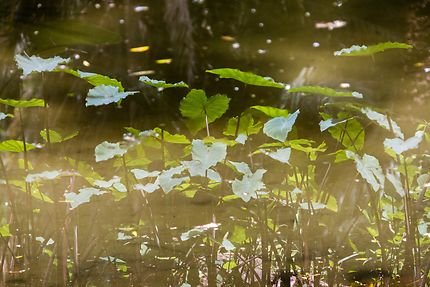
pixel 161 84
pixel 271 111
pixel 106 150
pixel 324 91
pixel 83 196
pixel 279 127
pixel 56 137
pixel 399 145
pixel 15 146
pixel 383 121
pixel 247 187
pixel 246 77
pixel 36 64
pixel 23 103
pixel 369 168
pixel 356 50
pixel 104 95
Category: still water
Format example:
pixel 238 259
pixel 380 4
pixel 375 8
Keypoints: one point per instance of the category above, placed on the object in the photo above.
pixel 314 224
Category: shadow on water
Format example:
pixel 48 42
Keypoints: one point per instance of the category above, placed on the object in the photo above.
pixel 317 223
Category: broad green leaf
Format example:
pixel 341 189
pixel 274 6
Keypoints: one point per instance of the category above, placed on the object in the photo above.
pixel 83 196
pixel 96 79
pixel 271 111
pixel 399 145
pixel 356 50
pixel 46 175
pixel 324 91
pixel 281 155
pixel 354 135
pixel 15 146
pixel 383 121
pixel 104 95
pixel 229 265
pixel 369 168
pixel 247 187
pixel 169 138
pixel 3 116
pixel 5 231
pixel 196 106
pixel 324 125
pixel 23 103
pixel 56 137
pixel 246 126
pixel 106 150
pixel 246 77
pixel 36 64
pixel 279 127
pixel 161 84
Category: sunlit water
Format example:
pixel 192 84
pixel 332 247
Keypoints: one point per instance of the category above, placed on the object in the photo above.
pixel 134 239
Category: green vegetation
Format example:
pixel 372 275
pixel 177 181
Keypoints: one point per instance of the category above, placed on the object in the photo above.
pixel 269 202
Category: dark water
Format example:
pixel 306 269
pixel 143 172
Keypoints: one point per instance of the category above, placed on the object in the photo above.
pixel 291 41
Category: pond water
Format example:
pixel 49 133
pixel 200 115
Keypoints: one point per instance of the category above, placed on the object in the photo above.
pixel 314 222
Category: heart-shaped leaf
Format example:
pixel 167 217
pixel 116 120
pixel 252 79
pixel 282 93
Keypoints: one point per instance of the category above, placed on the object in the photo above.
pixel 399 145
pixel 279 127
pixel 369 168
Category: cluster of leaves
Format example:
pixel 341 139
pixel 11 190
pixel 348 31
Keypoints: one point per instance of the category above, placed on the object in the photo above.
pixel 269 199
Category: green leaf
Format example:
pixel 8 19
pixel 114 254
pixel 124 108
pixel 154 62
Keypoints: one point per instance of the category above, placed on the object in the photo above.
pixel 196 105
pixel 356 50
pixel 83 196
pixel 324 125
pixel 246 126
pixel 169 138
pixel 23 103
pixel 36 64
pixel 161 84
pixel 281 155
pixel 56 137
pixel 204 157
pixel 279 127
pixel 369 168
pixel 324 91
pixel 5 231
pixel 354 135
pixel 247 187
pixel 246 77
pixel 241 167
pixel 46 175
pixel 383 121
pixel 95 79
pixel 395 181
pixel 104 95
pixel 399 145
pixel 167 181
pixel 106 150
pixel 15 146
pixel 271 111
